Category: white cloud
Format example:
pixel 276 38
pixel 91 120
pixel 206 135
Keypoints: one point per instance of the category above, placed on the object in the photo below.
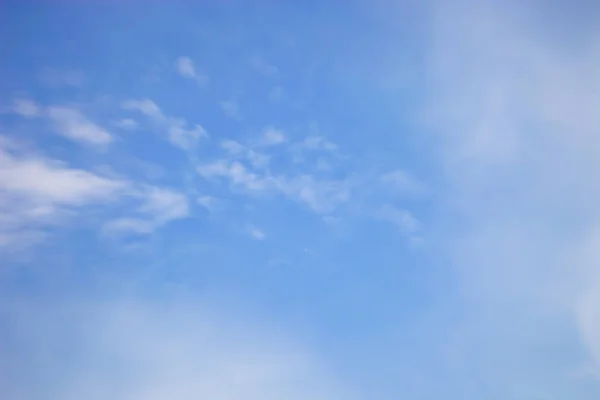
pixel 272 137
pixel 128 225
pixel 232 147
pixel 186 138
pixel 402 219
pixel 26 108
pixel 231 108
pixel 177 131
pixel 208 202
pixel 319 143
pixel 126 123
pixel 237 174
pixel 185 67
pixel 316 150
pixel 164 204
pixel 133 350
pixel 239 152
pixel 257 160
pixel 72 124
pixel 54 183
pixel 256 233
pixel 20 240
pixel 159 206
pixel 516 113
pixel 145 106
pixel 320 195
pixel 36 192
pixel 247 171
pixel 218 168
pixel 402 182
pixel 68 122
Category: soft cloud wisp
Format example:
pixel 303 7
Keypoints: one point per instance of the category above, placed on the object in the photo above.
pixel 132 350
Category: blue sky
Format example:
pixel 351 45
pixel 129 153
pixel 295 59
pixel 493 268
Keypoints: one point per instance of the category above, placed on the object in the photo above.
pixel 299 200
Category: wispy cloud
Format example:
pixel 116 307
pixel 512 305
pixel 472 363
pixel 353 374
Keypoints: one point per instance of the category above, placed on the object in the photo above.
pixel 515 111
pixel 233 147
pixel 256 233
pixel 177 130
pixel 68 122
pixel 26 108
pixel 126 123
pixel 72 124
pixel 144 106
pixel 401 182
pixel 320 195
pixel 186 68
pixel 257 159
pixel 134 350
pixel 185 138
pixel 164 204
pixel 402 219
pixel 313 149
pixel 272 137
pixel 247 171
pixel 237 174
pixel 243 153
pixel 319 143
pixel 208 202
pixel 158 207
pixel 37 192
pixel 231 108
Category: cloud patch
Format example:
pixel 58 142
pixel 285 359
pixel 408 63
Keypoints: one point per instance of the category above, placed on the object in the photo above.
pixel 26 108
pixel 517 121
pixel 208 202
pixel 72 124
pixel 158 207
pixel 177 130
pixel 137 350
pixel 272 137
pixel 402 183
pixel 186 68
pixel 128 124
pixel 402 219
pixel 36 192
pixel 320 195
pixel 67 122
pixel 231 108
pixel 256 233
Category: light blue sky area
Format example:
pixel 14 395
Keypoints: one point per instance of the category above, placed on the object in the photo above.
pixel 299 200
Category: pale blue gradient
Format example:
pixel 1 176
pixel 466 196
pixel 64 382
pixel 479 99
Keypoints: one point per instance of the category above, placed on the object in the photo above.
pixel 299 200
